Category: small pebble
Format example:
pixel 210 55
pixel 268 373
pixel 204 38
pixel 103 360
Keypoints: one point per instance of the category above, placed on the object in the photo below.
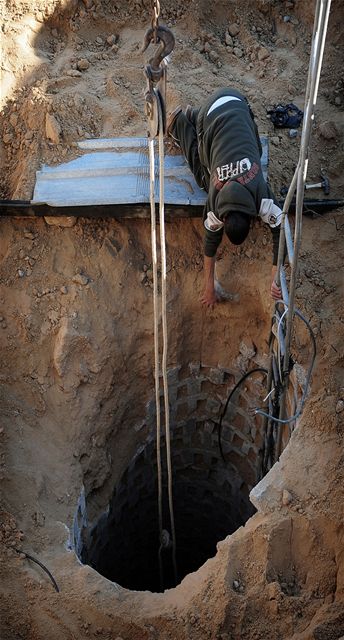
pixel 229 40
pixel 238 52
pixel 340 406
pixel 233 29
pixel 292 133
pixel 111 39
pixel 79 278
pixel 82 64
pixel 287 498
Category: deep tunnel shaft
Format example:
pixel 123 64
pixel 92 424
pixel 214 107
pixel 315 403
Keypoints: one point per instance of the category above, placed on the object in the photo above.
pixel 210 502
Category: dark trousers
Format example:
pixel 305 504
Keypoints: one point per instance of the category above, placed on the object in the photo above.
pixel 184 131
pixel 188 133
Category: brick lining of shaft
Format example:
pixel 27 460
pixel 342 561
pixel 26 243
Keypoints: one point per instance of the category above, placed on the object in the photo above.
pixel 211 498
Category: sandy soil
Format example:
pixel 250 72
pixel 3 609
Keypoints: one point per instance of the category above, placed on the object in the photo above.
pixel 76 321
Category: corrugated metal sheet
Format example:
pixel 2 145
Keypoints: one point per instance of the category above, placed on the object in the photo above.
pixel 116 171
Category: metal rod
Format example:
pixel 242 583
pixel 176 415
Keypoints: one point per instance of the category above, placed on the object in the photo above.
pixel 319 36
pixel 284 286
pixel 289 240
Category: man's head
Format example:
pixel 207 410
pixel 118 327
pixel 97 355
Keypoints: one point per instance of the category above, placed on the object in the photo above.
pixel 237 226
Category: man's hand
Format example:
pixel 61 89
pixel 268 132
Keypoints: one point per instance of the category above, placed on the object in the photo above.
pixel 210 298
pixel 276 293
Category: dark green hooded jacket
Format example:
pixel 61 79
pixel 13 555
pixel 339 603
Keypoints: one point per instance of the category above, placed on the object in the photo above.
pixel 229 149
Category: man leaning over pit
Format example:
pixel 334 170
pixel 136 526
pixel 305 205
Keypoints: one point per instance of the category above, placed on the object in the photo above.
pixel 220 142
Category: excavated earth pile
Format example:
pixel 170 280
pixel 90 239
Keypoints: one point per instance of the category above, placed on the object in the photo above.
pixel 78 450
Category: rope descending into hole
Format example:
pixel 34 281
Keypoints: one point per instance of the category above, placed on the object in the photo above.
pixel 155 110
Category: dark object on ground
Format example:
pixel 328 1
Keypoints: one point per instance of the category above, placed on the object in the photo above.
pixel 286 115
pixel 29 557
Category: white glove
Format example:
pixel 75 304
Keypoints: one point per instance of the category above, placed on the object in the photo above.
pixel 212 223
pixel 270 213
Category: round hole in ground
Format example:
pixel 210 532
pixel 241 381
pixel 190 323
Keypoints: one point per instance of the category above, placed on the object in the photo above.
pixel 210 490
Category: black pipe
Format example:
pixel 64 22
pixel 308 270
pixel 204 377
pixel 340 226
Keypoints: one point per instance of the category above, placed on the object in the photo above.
pixel 27 208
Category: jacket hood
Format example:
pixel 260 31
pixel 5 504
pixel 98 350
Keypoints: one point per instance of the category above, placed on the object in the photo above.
pixel 235 197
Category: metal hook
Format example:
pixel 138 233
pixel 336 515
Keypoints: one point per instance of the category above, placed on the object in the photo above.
pixel 163 35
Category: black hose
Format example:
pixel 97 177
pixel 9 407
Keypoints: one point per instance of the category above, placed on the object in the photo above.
pixel 308 377
pixel 219 431
pixel 27 555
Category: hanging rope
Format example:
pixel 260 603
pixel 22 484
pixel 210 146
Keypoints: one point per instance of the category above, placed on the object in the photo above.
pixel 156 344
pixel 155 111
pixel 165 336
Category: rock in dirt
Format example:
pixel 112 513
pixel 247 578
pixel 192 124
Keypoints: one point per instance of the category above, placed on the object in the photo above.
pixel 79 278
pixel 111 39
pixel 238 52
pixel 328 130
pixel 83 64
pixel 7 138
pixel 213 56
pixel 14 119
pixel 52 128
pixel 263 54
pixel 340 406
pixel 74 73
pixel 229 40
pixel 287 498
pixel 60 221
pixel 233 29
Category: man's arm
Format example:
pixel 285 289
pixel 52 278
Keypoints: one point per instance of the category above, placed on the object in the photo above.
pixel 209 297
pixel 212 240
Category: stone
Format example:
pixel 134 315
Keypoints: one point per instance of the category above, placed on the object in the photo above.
pixel 328 130
pixel 340 406
pixel 79 278
pixel 233 29
pixel 7 138
pixel 263 54
pixel 292 133
pixel 99 40
pixel 266 495
pixel 82 64
pixel 337 101
pixel 275 140
pixel 14 119
pixel 60 221
pixel 238 52
pixel 213 56
pixel 229 40
pixel 73 73
pixel 63 289
pixel 52 128
pixel 287 498
pixel 111 40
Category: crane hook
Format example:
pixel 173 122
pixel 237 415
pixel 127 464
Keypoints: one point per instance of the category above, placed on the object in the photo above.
pixel 165 37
